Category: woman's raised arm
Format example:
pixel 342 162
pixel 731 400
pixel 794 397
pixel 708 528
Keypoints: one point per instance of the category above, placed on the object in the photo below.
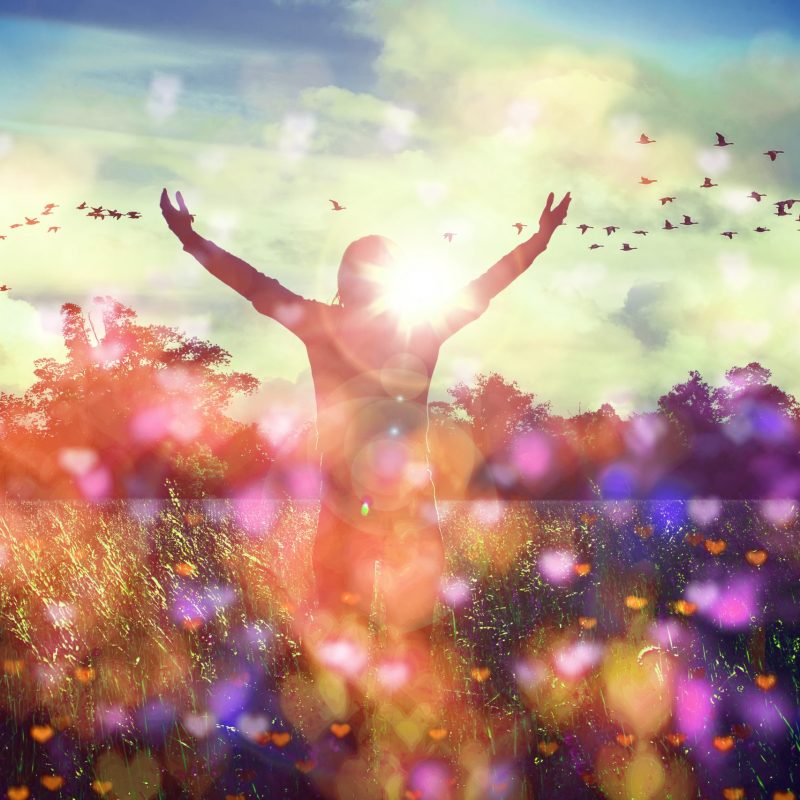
pixel 266 294
pixel 474 298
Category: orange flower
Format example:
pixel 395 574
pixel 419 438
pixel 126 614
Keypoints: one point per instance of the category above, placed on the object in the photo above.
pixel 635 602
pixel 684 607
pixel 756 557
pixel 437 734
pixel 52 782
pixel 716 546
pixel 734 793
pixel 185 569
pixel 481 674
pixel 84 674
pixel 724 743
pixel 42 733
pixel 765 682
pixel 281 739
pixel 584 568
pixel 340 729
pixel 547 748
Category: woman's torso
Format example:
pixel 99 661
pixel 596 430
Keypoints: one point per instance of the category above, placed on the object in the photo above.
pixel 371 381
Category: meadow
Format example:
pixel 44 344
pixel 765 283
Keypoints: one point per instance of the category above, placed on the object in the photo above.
pixel 610 649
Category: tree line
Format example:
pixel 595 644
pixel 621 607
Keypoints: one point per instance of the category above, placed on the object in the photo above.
pixel 134 410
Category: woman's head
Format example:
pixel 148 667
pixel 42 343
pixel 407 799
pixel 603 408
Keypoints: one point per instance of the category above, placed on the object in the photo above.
pixel 363 271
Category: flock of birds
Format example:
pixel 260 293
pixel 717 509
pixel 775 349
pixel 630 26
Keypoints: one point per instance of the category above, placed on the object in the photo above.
pixel 97 212
pixel 783 206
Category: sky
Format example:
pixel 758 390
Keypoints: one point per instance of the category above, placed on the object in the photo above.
pixel 421 118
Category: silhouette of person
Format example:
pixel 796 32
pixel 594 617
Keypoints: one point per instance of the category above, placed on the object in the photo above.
pixel 371 379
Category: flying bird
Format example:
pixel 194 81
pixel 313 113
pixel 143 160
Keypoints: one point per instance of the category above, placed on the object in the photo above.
pixel 134 215
pixel 756 196
pixel 118 214
pixel 781 212
pixel 627 248
pixel 641 233
pixel 98 210
pixel 668 226
pixel 611 229
pixel 336 206
pixel 706 184
pixel 16 225
pixel 5 288
pixel 790 202
pixel 646 181
pixel 773 154
pixel 53 229
pixel 729 234
pixel 721 142
pixel 687 220
pixel 583 227
pixel 449 236
pixel 29 221
pixel 645 139
pixel 665 200
pixel 46 212
pixel 51 206
pixel 96 214
pixel 595 246
pixel 760 229
pixel 3 236
pixel 82 206
pixel 519 226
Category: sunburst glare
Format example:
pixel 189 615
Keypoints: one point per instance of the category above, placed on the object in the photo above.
pixel 416 291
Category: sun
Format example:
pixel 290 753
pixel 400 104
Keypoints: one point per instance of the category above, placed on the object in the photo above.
pixel 421 291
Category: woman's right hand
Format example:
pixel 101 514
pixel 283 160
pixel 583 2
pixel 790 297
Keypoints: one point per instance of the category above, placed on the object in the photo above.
pixel 551 217
pixel 178 219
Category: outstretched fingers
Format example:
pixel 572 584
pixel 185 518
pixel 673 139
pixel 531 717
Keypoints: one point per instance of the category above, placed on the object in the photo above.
pixel 166 204
pixel 181 204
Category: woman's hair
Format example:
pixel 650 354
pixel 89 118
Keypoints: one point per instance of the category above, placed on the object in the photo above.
pixel 362 260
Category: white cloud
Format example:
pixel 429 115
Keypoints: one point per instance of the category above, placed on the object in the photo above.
pixel 162 98
pixel 25 335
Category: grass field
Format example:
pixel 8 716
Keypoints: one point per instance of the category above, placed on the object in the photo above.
pixel 644 650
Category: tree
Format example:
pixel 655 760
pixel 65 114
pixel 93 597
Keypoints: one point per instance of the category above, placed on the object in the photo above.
pixel 694 404
pixel 749 386
pixel 496 410
pixel 147 400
